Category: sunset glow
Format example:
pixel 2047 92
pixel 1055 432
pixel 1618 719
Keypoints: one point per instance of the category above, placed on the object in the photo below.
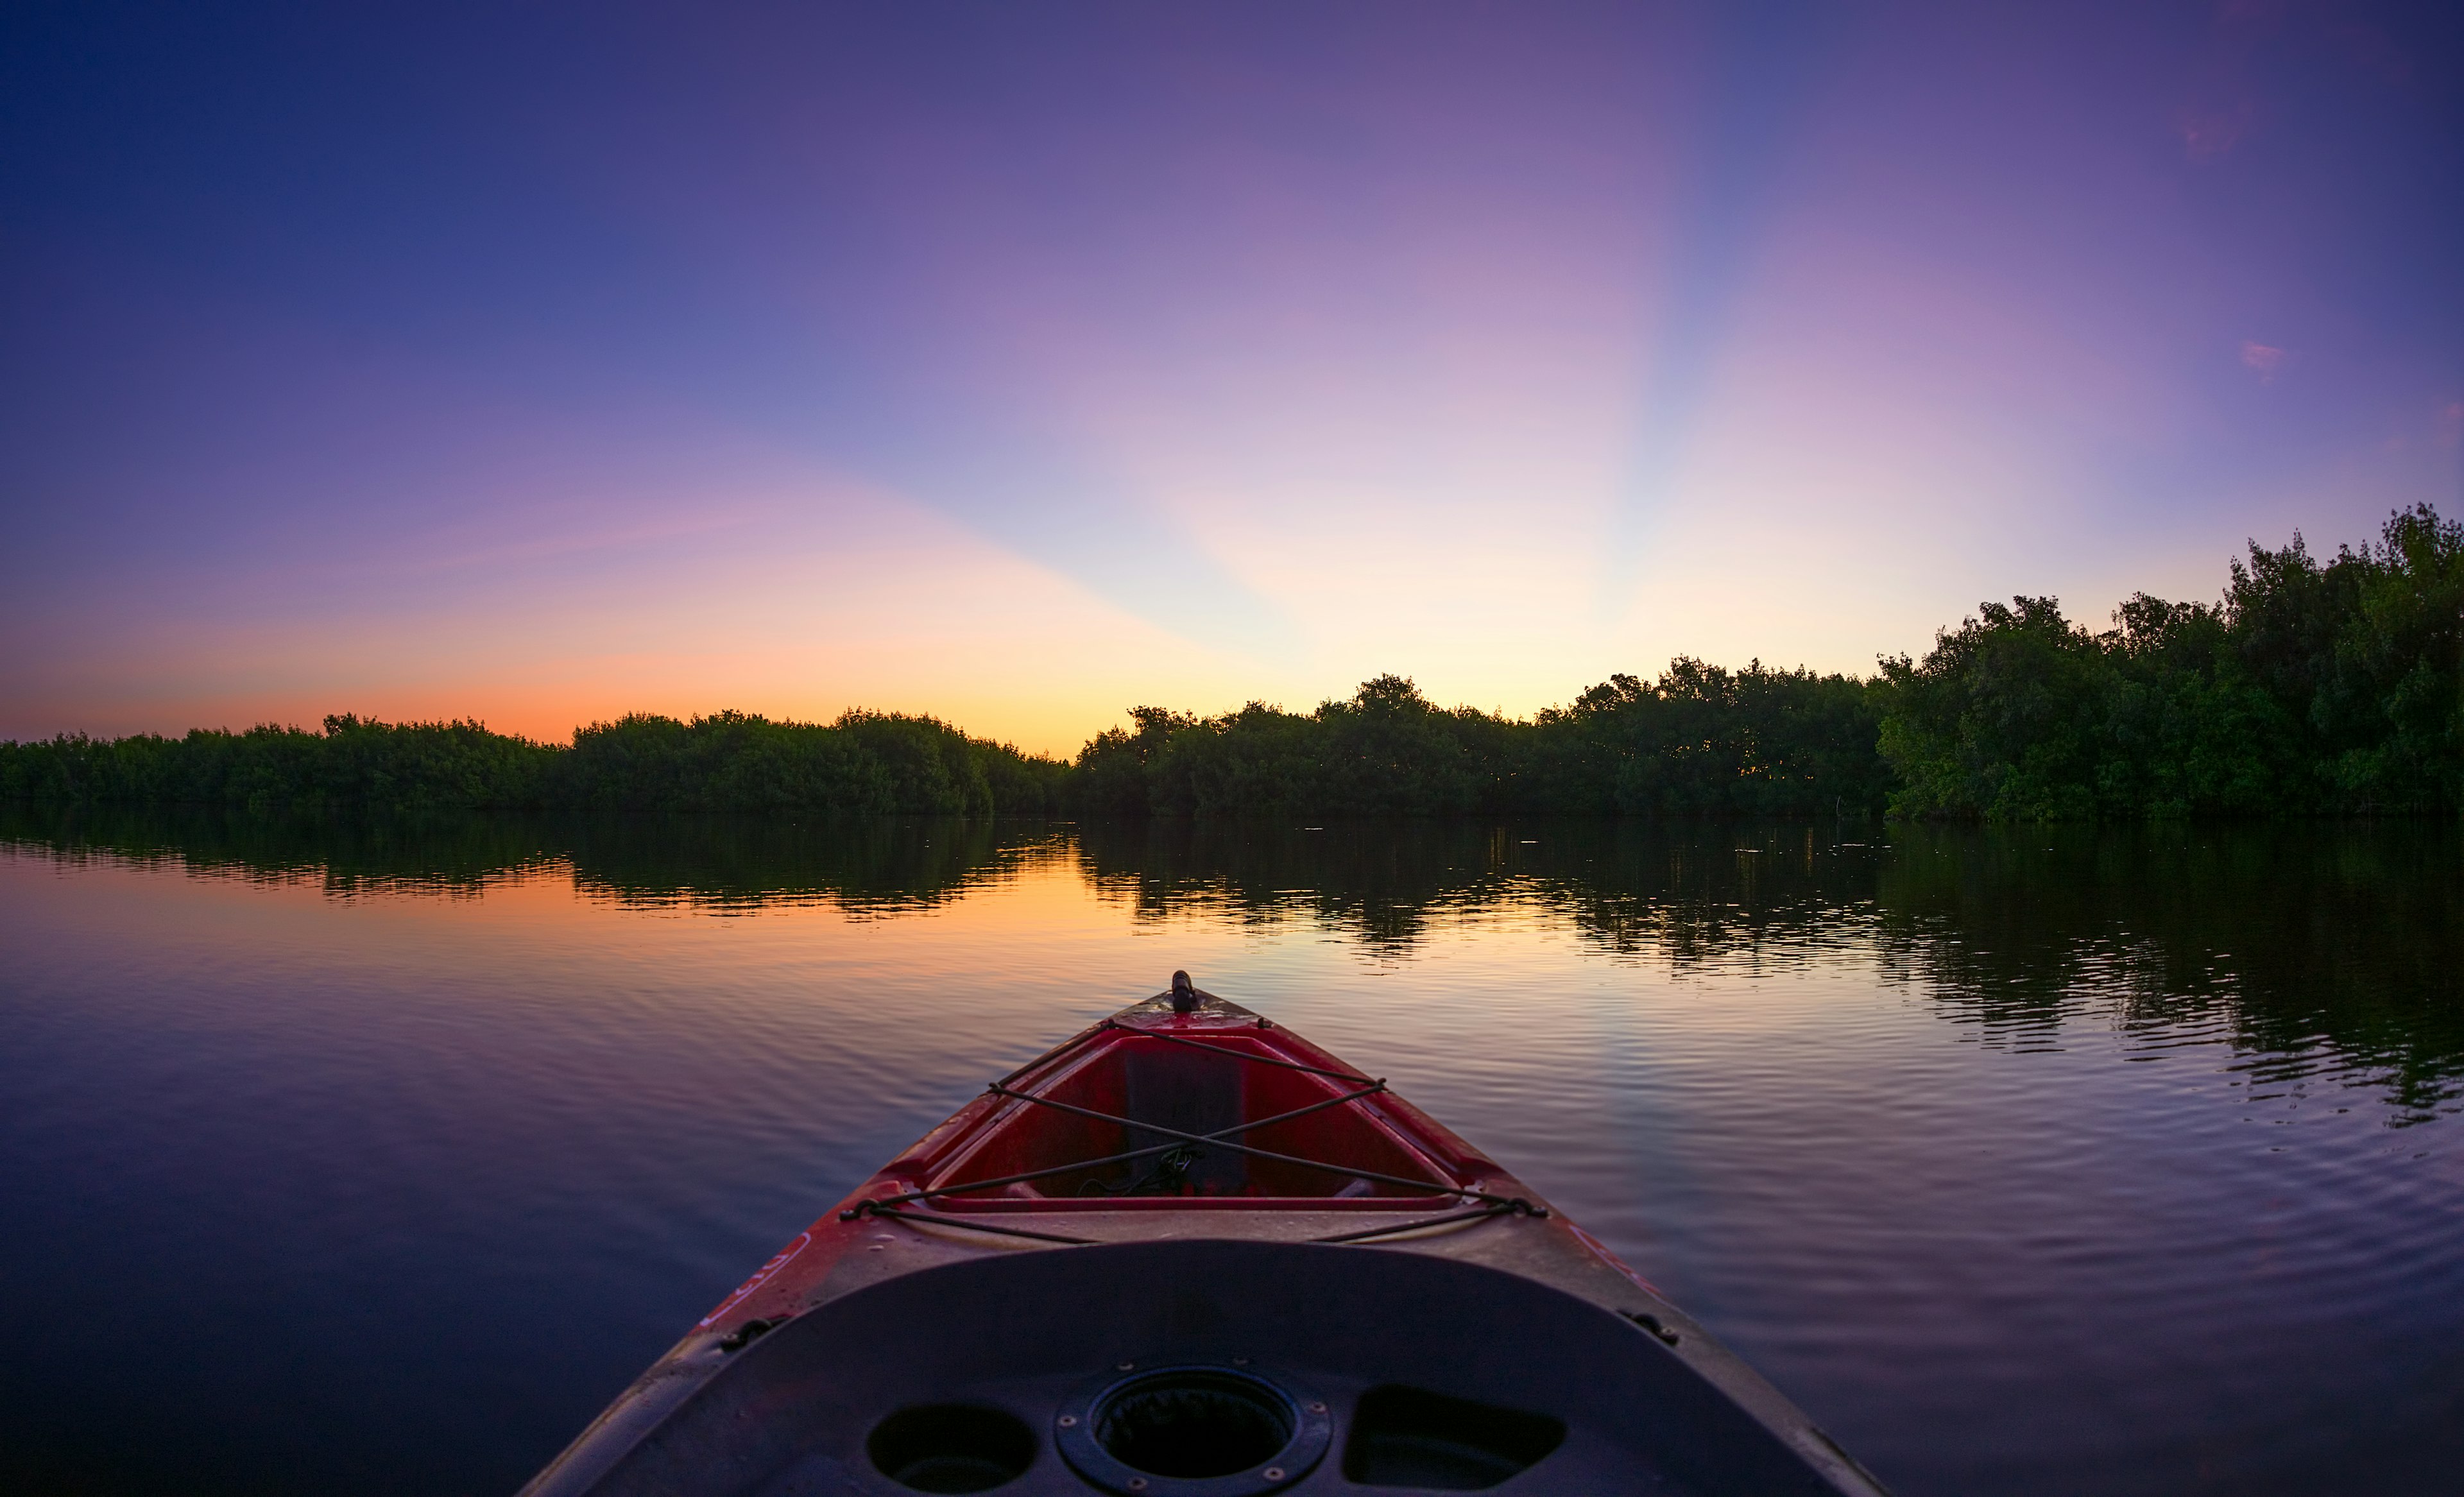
pixel 1018 366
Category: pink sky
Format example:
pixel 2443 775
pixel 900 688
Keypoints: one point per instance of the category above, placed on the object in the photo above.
pixel 1020 367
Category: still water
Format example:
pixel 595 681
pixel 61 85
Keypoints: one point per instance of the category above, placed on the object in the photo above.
pixel 373 1158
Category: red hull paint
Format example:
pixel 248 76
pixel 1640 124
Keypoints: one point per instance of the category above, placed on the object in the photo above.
pixel 1210 1137
pixel 995 1135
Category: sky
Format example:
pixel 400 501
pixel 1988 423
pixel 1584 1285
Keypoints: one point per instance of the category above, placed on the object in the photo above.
pixel 1019 363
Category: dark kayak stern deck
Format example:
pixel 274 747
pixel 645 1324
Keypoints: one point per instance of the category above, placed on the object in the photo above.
pixel 1209 1369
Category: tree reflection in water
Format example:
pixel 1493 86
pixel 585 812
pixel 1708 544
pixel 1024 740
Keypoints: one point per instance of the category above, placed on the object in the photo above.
pixel 2314 948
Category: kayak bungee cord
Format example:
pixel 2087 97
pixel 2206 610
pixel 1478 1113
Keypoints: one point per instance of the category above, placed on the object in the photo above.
pixel 1255 1153
pixel 889 1213
pixel 883 1210
pixel 1516 1207
pixel 1170 1173
pixel 1124 1157
pixel 1185 1147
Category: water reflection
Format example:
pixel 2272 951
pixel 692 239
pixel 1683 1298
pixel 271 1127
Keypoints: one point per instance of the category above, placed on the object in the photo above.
pixel 1686 897
pixel 2316 949
pixel 436 855
pixel 877 866
pixel 2319 949
pixel 2030 1161
pixel 716 863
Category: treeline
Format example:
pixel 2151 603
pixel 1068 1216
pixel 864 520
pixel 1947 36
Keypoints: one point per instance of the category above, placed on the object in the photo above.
pixel 2310 688
pixel 863 762
pixel 1699 742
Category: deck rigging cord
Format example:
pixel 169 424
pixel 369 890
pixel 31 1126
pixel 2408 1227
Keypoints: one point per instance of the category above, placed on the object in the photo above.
pixel 1179 1141
pixel 1175 1156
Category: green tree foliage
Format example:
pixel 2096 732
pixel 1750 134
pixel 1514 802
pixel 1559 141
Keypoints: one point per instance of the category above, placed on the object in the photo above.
pixel 863 762
pixel 2309 689
pixel 406 767
pixel 1699 742
pixel 1707 741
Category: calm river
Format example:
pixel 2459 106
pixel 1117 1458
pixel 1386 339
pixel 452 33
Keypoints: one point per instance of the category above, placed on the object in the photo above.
pixel 374 1158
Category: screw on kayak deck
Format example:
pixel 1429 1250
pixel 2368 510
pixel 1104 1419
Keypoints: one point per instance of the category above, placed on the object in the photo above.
pixel 1184 994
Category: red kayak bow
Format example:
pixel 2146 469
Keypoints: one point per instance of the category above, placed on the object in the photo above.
pixel 1187 1253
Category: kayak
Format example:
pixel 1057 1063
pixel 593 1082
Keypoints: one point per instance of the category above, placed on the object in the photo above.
pixel 1187 1253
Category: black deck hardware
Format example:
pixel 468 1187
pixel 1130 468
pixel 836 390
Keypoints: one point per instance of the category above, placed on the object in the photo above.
pixel 745 1334
pixel 888 1213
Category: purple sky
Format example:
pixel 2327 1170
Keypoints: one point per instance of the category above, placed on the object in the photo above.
pixel 1022 363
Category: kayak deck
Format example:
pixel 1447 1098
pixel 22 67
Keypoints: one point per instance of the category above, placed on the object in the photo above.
pixel 1215 1110
pixel 1116 1120
pixel 1190 1254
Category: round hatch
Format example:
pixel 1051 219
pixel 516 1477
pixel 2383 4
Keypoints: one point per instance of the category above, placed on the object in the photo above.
pixel 1192 1430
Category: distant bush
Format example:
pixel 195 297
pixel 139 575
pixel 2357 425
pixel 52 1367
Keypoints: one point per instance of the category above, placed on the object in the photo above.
pixel 408 766
pixel 864 762
pixel 1700 741
pixel 1705 742
pixel 2309 689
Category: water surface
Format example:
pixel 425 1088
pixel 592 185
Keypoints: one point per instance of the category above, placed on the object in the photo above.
pixel 375 1157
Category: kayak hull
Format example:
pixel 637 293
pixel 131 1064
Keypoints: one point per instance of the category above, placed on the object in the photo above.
pixel 1350 1300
